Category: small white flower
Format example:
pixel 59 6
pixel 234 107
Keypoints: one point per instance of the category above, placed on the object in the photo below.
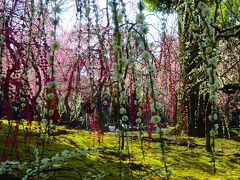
pixel 196 36
pixel 124 126
pixel 44 121
pixel 209 71
pixel 207 20
pixel 55 21
pixel 50 96
pixel 201 5
pixel 117 131
pixel 140 18
pixel 143 29
pixel 210 117
pixel 123 94
pixel 152 108
pixel 122 62
pixel 117 48
pixel 146 55
pixel 52 33
pixel 164 131
pixel 87 10
pixel 116 67
pixel 44 136
pixel 210 78
pixel 158 130
pixel 50 58
pixel 123 111
pixel 208 50
pixel 57 165
pixel 148 83
pixel 50 112
pixel 65 153
pixel 28 171
pixel 169 172
pixel 120 17
pixel 151 68
pixel 51 122
pixel 208 41
pixel 45 161
pixel 158 106
pixel 155 119
pixel 23 99
pixel 2 38
pixel 138 120
pixel 52 85
pixel 212 133
pixel 212 98
pixel 205 11
pixel 212 61
pixel 125 118
pixel 195 26
pixel 56 9
pixel 55 45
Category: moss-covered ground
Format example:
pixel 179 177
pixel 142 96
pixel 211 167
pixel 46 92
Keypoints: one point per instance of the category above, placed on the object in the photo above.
pixel 186 156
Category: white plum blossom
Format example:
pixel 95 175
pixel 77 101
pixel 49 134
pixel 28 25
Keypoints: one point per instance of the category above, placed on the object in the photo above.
pixel 205 11
pixel 158 106
pixel 143 29
pixel 195 26
pixel 50 96
pixel 116 66
pixel 158 130
pixel 56 9
pixel 145 55
pixel 52 84
pixel 55 45
pixel 155 119
pixel 169 172
pixel 164 131
pixel 138 120
pixel 120 17
pixel 212 98
pixel 123 110
pixel 208 50
pixel 50 112
pixel 125 118
pixel 151 68
pixel 44 136
pixel 117 48
pixel 152 108
pixel 44 121
pixel 140 18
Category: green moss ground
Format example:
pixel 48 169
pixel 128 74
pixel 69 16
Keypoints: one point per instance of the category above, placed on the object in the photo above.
pixel 187 163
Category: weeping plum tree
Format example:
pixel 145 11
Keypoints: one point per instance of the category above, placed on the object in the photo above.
pixel 191 15
pixel 107 51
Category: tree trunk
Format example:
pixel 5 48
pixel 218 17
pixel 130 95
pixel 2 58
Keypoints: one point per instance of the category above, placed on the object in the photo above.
pixel 200 122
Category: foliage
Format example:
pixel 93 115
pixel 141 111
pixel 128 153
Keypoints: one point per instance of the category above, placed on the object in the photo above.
pixel 164 6
pixel 167 6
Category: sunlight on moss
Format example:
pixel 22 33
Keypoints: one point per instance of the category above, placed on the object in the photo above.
pixel 187 163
